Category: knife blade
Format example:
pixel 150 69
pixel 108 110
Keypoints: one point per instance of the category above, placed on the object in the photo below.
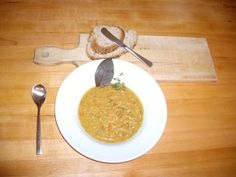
pixel 110 36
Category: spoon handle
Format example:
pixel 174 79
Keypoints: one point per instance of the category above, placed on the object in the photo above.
pixel 38 134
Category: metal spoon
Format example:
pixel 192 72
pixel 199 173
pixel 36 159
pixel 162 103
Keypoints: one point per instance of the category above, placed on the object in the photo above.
pixel 38 95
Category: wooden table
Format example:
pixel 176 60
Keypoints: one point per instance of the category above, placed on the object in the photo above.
pixel 200 136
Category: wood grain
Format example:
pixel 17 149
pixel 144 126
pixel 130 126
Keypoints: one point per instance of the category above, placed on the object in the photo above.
pixel 199 139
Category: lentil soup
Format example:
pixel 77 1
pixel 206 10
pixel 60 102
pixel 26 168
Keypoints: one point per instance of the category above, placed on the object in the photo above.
pixel 110 115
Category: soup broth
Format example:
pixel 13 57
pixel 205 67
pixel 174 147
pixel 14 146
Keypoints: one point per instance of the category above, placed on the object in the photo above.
pixel 109 114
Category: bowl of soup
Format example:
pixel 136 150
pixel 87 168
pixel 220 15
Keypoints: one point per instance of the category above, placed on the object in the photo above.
pixel 111 124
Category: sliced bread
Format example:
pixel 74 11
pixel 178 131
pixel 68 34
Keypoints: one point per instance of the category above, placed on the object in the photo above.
pixel 100 47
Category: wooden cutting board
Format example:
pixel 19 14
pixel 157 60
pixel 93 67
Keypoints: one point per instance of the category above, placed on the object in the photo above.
pixel 174 58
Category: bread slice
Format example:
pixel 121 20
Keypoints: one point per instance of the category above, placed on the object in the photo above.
pixel 100 47
pixel 101 44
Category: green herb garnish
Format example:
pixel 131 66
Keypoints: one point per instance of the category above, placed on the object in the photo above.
pixel 118 83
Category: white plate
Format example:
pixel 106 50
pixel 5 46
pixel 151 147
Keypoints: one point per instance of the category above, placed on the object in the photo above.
pixel 147 89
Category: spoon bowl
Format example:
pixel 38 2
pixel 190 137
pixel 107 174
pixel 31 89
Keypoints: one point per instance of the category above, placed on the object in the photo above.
pixel 39 95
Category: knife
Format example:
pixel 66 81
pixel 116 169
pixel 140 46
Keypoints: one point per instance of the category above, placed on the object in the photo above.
pixel 121 44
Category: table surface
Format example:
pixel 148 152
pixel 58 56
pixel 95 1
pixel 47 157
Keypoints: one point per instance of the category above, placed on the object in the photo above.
pixel 200 136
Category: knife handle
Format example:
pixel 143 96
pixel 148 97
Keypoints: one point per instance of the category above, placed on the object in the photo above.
pixel 141 58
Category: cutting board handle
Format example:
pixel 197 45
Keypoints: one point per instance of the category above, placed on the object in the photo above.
pixel 54 55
